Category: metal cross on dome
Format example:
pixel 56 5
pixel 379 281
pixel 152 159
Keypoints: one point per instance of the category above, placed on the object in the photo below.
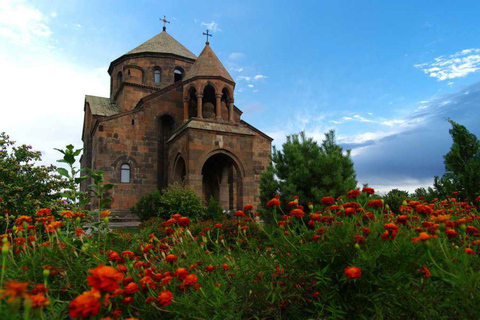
pixel 164 20
pixel 208 35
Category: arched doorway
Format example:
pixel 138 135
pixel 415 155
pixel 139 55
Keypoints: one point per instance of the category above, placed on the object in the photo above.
pixel 222 180
pixel 165 126
pixel 180 170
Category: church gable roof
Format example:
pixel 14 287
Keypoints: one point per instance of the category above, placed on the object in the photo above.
pixel 163 43
pixel 101 106
pixel 208 64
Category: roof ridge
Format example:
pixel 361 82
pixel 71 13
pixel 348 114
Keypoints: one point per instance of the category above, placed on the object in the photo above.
pixel 163 43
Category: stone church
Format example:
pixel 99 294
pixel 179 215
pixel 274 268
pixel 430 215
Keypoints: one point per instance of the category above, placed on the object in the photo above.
pixel 170 118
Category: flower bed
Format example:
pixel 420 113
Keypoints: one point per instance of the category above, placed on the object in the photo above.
pixel 350 258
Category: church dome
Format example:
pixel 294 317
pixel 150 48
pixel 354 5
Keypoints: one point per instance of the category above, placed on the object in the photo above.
pixel 208 65
pixel 163 43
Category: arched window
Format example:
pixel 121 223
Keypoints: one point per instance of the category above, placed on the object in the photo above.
pixel 119 79
pixel 157 76
pixel 178 74
pixel 125 173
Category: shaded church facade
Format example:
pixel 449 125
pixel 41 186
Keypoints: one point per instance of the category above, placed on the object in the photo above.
pixel 171 118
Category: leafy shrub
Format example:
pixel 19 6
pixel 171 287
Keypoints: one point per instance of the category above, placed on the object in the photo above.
pixel 24 186
pixel 180 199
pixel 213 210
pixel 148 206
pixel 394 199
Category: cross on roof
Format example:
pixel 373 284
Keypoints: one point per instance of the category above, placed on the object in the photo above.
pixel 164 20
pixel 208 35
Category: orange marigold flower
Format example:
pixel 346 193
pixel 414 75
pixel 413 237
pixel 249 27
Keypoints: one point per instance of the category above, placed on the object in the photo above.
pixel 273 203
pixel 184 221
pixel 359 239
pixel 391 227
pixel 105 213
pixel 440 218
pixel 423 236
pixel 79 232
pixel 349 212
pixel 425 209
pixel 128 254
pixel 368 216
pixel 451 233
pixel 426 272
pixel 13 290
pixel 189 280
pixel 80 215
pixel 471 229
pixel 366 231
pixel 368 190
pixel 44 211
pixel 225 266
pixel 239 213
pixel 20 241
pixel 39 300
pixel 353 272
pixel 165 298
pixel 210 268
pixel 85 305
pixel 22 219
pixel 218 226
pixel 469 251
pixel 104 278
pixel 131 288
pixel 375 203
pixel 181 273
pixel 352 194
pixel 477 199
pixel 66 214
pixel 248 207
pixel 297 213
pixel 171 258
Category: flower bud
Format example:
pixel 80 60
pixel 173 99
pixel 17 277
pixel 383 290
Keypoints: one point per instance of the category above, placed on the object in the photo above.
pixel 46 273
pixel 5 249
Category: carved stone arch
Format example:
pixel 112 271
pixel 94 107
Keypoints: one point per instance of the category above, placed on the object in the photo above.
pixel 131 66
pixel 205 84
pixel 179 169
pixel 227 152
pixel 229 91
pixel 223 178
pixel 118 162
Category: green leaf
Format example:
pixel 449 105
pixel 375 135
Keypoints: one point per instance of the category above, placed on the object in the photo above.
pixel 63 172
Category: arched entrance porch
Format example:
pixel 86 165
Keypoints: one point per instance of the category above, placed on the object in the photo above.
pixel 222 180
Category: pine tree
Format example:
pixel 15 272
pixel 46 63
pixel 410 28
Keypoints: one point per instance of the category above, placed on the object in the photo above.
pixel 462 164
pixel 306 169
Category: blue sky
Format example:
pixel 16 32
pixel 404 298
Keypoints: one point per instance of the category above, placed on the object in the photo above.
pixel 385 75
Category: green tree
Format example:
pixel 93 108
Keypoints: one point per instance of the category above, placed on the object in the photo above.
pixel 394 199
pixel 462 164
pixel 308 170
pixel 24 186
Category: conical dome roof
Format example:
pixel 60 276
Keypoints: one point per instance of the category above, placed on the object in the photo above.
pixel 208 64
pixel 163 43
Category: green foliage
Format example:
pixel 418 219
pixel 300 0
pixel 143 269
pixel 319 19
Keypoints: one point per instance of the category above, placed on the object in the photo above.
pixel 213 210
pixel 462 165
pixel 175 199
pixel 308 170
pixel 24 186
pixel 394 199
pixel 180 199
pixel 147 206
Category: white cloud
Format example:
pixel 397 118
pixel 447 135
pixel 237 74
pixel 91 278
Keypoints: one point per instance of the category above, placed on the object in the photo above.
pixel 237 69
pixel 255 90
pixel 250 85
pixel 453 66
pixel 53 14
pixel 259 77
pixel 78 25
pixel 21 23
pixel 212 26
pixel 243 78
pixel 236 56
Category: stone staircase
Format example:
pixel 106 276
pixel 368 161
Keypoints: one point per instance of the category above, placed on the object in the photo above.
pixel 123 219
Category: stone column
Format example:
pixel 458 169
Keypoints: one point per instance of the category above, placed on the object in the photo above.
pixel 199 105
pixel 185 109
pixel 218 106
pixel 230 110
